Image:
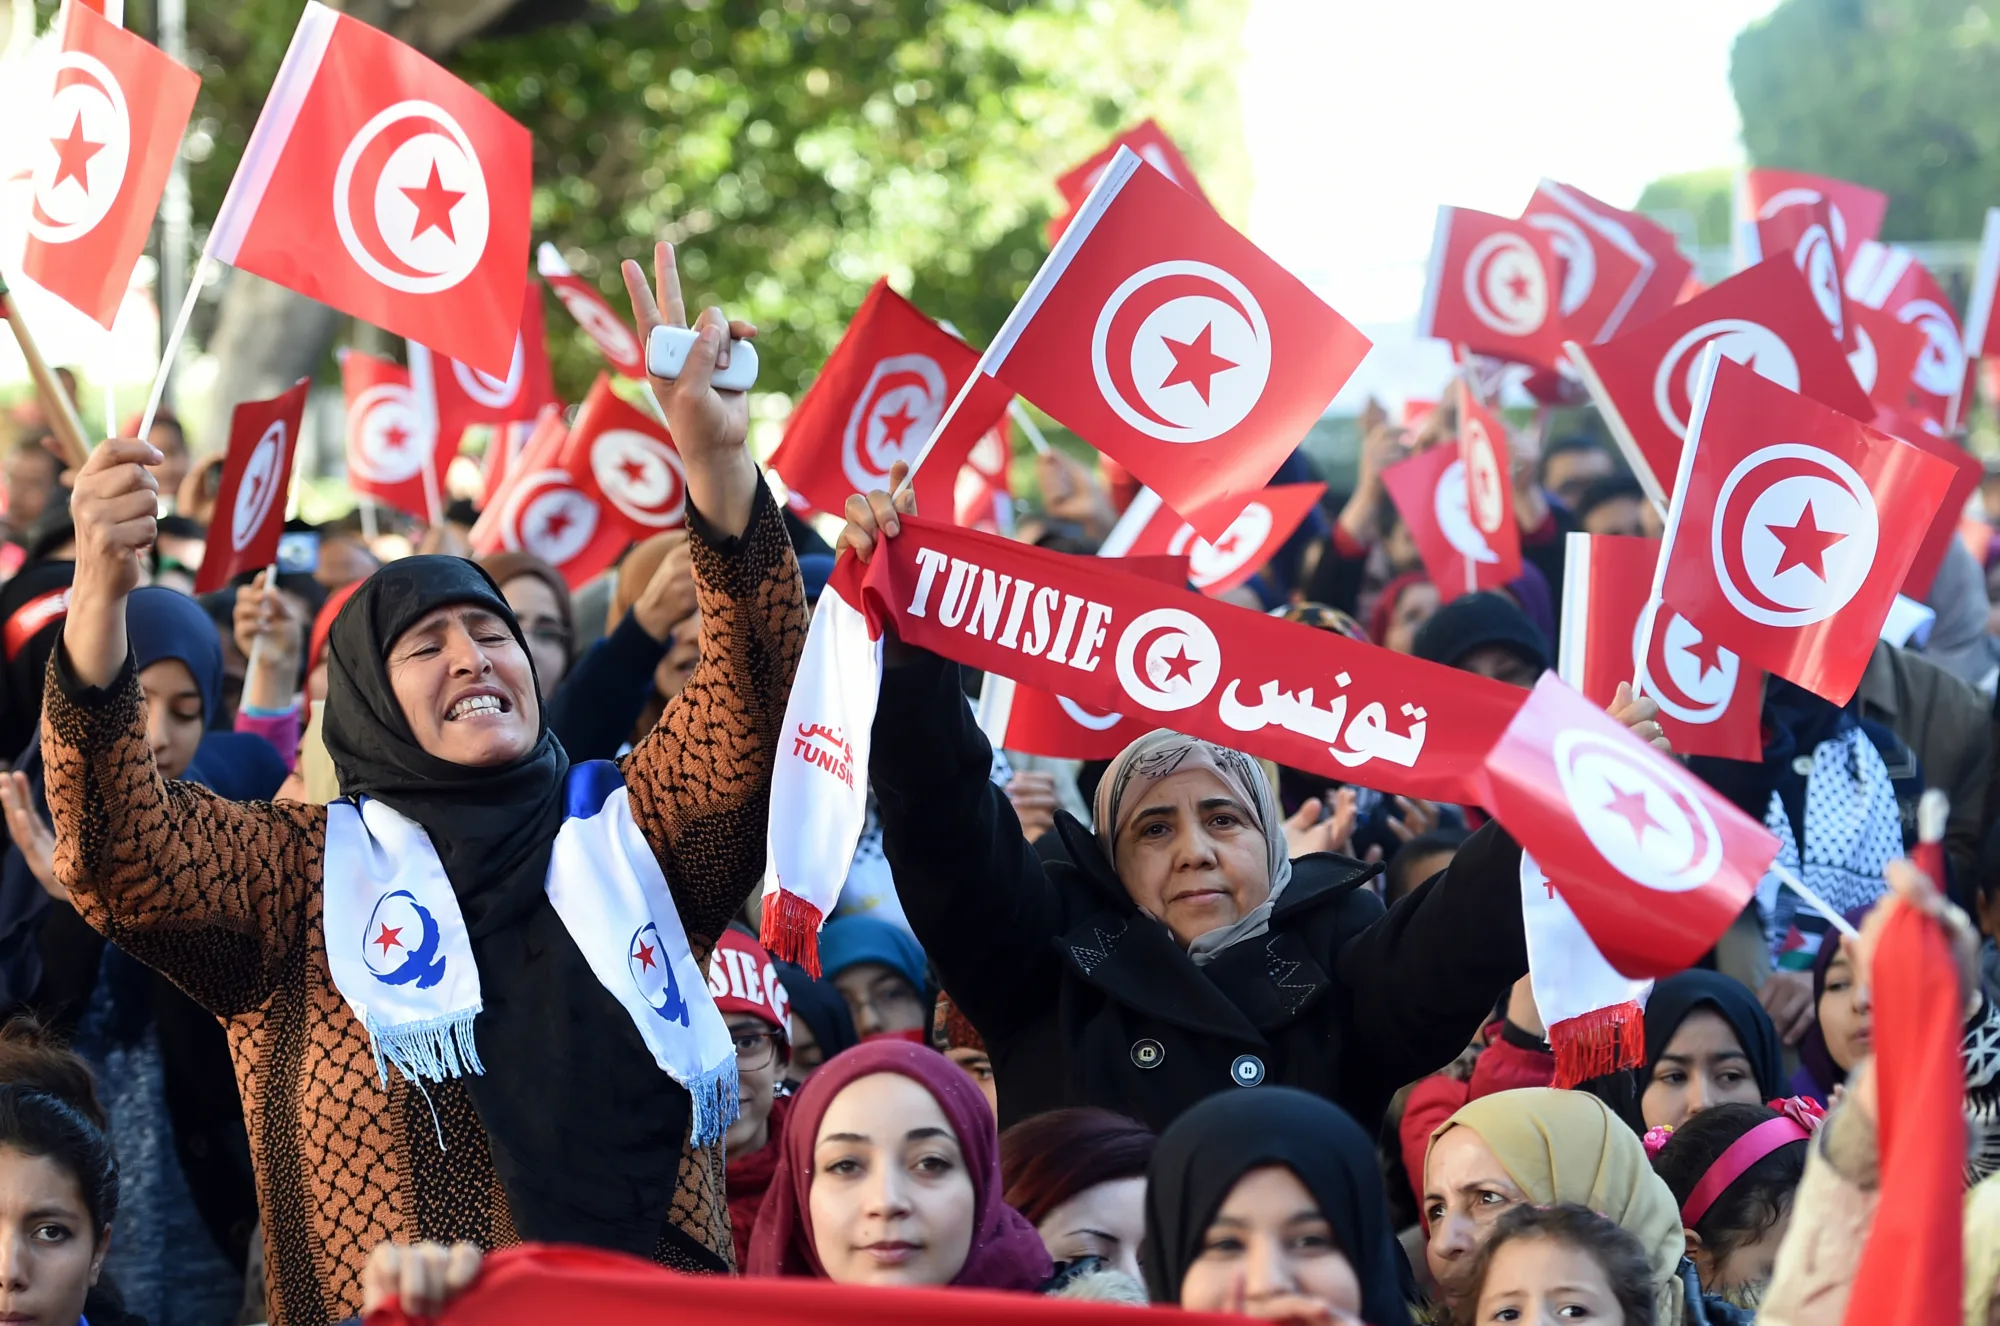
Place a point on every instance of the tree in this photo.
(798, 149)
(1700, 197)
(1894, 94)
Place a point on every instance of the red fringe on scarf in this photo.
(790, 930)
(1601, 1041)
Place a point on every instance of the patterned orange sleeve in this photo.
(211, 893)
(700, 782)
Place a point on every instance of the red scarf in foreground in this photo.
(536, 1284)
(1912, 1270)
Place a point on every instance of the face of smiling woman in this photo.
(465, 687)
(892, 1201)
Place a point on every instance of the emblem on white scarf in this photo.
(398, 950)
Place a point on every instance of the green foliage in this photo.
(796, 150)
(1894, 94)
(1699, 195)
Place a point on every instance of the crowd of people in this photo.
(362, 922)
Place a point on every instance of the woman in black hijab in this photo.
(518, 938)
(1708, 1042)
(1268, 1198)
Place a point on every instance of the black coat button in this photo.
(1247, 1071)
(1148, 1054)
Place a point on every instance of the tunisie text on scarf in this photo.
(1206, 1151)
(585, 1131)
(1006, 1251)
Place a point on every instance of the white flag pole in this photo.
(173, 345)
(1814, 901)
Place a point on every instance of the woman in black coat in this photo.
(1204, 959)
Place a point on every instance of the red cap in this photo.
(743, 979)
(323, 623)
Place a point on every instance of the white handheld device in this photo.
(667, 350)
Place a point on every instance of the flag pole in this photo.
(171, 349)
(1814, 901)
(369, 530)
(63, 420)
(433, 502)
(1028, 427)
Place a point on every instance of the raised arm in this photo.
(700, 782)
(213, 894)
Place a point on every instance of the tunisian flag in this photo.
(1489, 482)
(1854, 212)
(1430, 493)
(1655, 864)
(462, 395)
(1967, 471)
(1147, 139)
(547, 509)
(1885, 357)
(1252, 536)
(1889, 277)
(100, 153)
(1803, 233)
(877, 400)
(1604, 267)
(395, 454)
(378, 183)
(1495, 286)
(626, 457)
(1614, 630)
(1112, 642)
(1643, 381)
(256, 475)
(1783, 545)
(609, 329)
(1173, 345)
(983, 495)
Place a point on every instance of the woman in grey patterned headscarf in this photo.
(1165, 784)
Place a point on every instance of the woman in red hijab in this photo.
(891, 1176)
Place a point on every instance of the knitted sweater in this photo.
(224, 898)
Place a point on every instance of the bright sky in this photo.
(1363, 117)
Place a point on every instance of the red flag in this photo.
(1429, 490)
(462, 395)
(1854, 213)
(610, 329)
(1034, 722)
(1655, 863)
(1889, 278)
(536, 452)
(1112, 641)
(510, 442)
(1173, 345)
(1912, 1271)
(1802, 232)
(554, 511)
(1966, 472)
(1604, 267)
(1776, 545)
(983, 497)
(256, 475)
(877, 400)
(1643, 381)
(1153, 147)
(1489, 485)
(1494, 286)
(1251, 537)
(625, 456)
(394, 452)
(1613, 631)
(103, 146)
(1885, 358)
(378, 183)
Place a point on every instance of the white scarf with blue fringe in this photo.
(400, 956)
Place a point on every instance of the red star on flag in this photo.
(897, 424)
(1805, 544)
(73, 154)
(1195, 362)
(434, 203)
(388, 938)
(1708, 654)
(1631, 807)
(1518, 287)
(634, 470)
(645, 956)
(1180, 665)
(394, 436)
(554, 526)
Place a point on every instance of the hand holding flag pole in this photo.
(63, 421)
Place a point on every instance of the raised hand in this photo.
(668, 599)
(114, 505)
(874, 516)
(29, 829)
(269, 629)
(708, 425)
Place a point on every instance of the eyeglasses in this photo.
(756, 1050)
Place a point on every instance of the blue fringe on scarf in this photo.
(431, 1050)
(716, 1101)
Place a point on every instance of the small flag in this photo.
(256, 476)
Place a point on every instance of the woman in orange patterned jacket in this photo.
(464, 1001)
